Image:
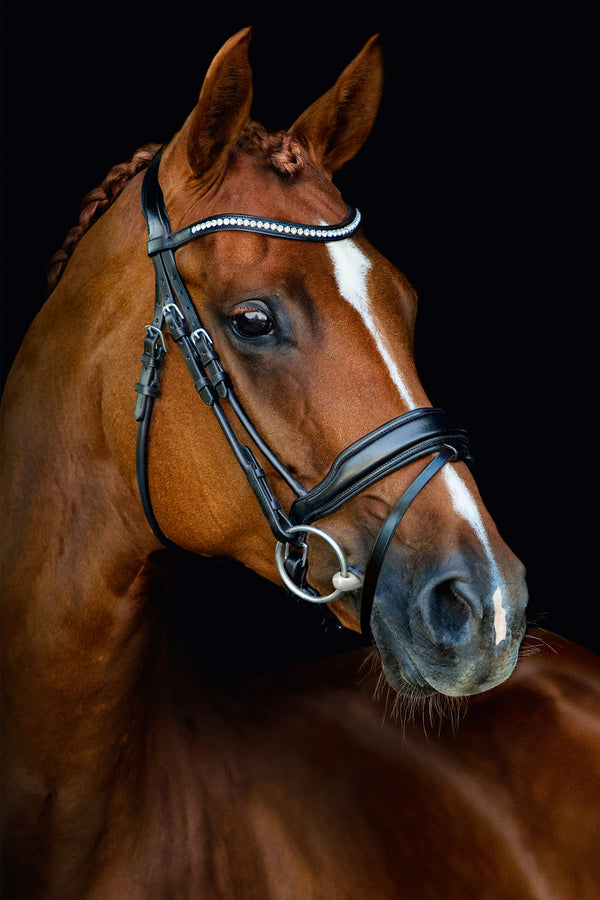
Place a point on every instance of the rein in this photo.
(396, 443)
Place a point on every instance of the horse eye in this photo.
(251, 322)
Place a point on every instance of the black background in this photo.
(475, 182)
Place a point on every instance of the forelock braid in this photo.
(284, 152)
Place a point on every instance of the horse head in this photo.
(315, 338)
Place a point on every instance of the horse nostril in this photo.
(447, 614)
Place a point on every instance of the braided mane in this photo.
(285, 153)
(94, 204)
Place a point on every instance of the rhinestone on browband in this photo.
(273, 227)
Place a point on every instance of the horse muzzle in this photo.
(452, 627)
(454, 630)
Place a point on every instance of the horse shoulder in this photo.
(499, 807)
(301, 784)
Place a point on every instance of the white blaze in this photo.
(351, 268)
(464, 504)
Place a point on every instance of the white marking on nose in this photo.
(464, 505)
(499, 616)
(351, 268)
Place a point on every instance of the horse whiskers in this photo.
(532, 644)
(410, 705)
(370, 665)
(433, 711)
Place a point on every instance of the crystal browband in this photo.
(295, 231)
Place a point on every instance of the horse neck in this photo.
(79, 579)
(62, 402)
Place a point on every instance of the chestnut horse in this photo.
(126, 774)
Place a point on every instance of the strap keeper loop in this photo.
(205, 389)
(147, 390)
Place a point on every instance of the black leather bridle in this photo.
(409, 437)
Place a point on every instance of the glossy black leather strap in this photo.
(393, 445)
(175, 309)
(388, 529)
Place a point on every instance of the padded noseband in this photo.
(393, 445)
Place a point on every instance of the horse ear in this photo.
(335, 127)
(223, 108)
